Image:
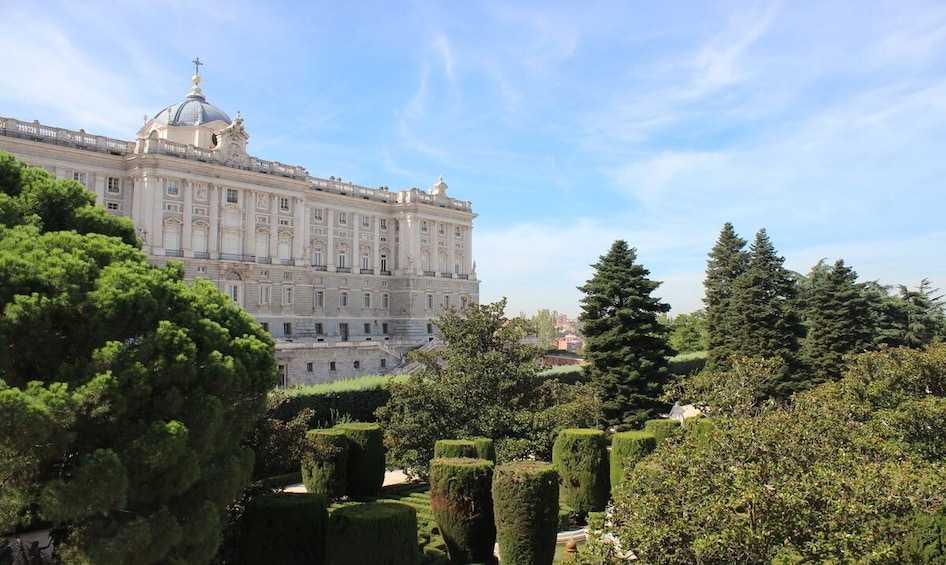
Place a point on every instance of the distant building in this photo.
(346, 278)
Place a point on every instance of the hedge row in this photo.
(345, 460)
(357, 405)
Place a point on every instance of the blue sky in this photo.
(567, 124)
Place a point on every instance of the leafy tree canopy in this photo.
(625, 343)
(850, 472)
(482, 383)
(124, 392)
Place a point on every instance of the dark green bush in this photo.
(525, 504)
(462, 503)
(627, 448)
(662, 428)
(581, 458)
(284, 529)
(449, 448)
(365, 457)
(926, 544)
(373, 533)
(325, 462)
(358, 405)
(278, 442)
(700, 427)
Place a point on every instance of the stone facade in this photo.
(346, 278)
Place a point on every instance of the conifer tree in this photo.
(727, 261)
(764, 312)
(625, 345)
(838, 319)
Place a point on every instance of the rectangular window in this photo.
(384, 328)
(265, 326)
(287, 328)
(456, 231)
(317, 260)
(423, 226)
(174, 188)
(385, 301)
(342, 259)
(383, 223)
(112, 206)
(343, 218)
(81, 177)
(343, 299)
(317, 214)
(265, 294)
(234, 292)
(331, 365)
(367, 328)
(430, 328)
(446, 301)
(365, 222)
(384, 363)
(309, 367)
(114, 185)
(440, 229)
(319, 299)
(287, 295)
(232, 196)
(366, 300)
(284, 204)
(430, 301)
(318, 328)
(366, 261)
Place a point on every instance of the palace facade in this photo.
(346, 278)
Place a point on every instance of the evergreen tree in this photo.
(727, 261)
(910, 318)
(838, 319)
(763, 310)
(625, 344)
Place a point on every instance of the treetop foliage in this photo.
(124, 392)
(626, 345)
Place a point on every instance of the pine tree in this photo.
(764, 311)
(838, 319)
(625, 345)
(727, 261)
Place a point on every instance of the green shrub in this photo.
(284, 528)
(461, 500)
(451, 448)
(329, 401)
(373, 533)
(485, 448)
(662, 428)
(700, 427)
(581, 458)
(365, 457)
(687, 364)
(525, 504)
(325, 462)
(627, 448)
(926, 544)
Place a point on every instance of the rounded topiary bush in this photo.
(581, 458)
(374, 533)
(627, 448)
(462, 503)
(451, 448)
(525, 504)
(662, 428)
(365, 457)
(325, 462)
(284, 528)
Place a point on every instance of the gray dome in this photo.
(193, 110)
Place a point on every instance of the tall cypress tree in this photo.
(765, 313)
(838, 319)
(727, 261)
(625, 345)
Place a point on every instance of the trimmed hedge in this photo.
(451, 448)
(662, 428)
(373, 533)
(525, 504)
(581, 458)
(485, 448)
(462, 503)
(358, 405)
(627, 448)
(365, 457)
(284, 529)
(325, 462)
(700, 426)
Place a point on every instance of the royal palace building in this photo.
(346, 278)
